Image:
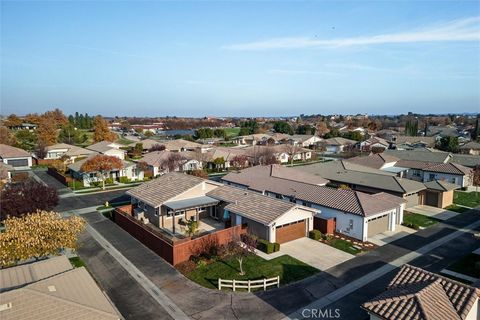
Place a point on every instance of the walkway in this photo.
(433, 212)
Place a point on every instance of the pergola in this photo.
(185, 205)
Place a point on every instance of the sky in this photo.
(240, 58)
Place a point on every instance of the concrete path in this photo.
(390, 236)
(433, 212)
(173, 310)
(364, 280)
(315, 253)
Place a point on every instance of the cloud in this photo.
(467, 29)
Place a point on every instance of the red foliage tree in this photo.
(157, 147)
(25, 197)
(102, 165)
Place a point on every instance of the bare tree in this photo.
(292, 150)
(265, 156)
(173, 162)
(242, 248)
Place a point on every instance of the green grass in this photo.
(344, 246)
(456, 208)
(232, 132)
(77, 262)
(467, 265)
(468, 199)
(413, 220)
(122, 140)
(289, 269)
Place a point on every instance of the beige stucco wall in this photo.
(446, 199)
(197, 191)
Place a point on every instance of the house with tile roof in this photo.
(157, 161)
(415, 293)
(357, 214)
(18, 158)
(471, 147)
(108, 148)
(128, 170)
(337, 145)
(60, 150)
(51, 289)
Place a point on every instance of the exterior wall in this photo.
(474, 312)
(253, 227)
(324, 225)
(343, 221)
(115, 153)
(452, 178)
(334, 149)
(192, 165)
(129, 173)
(56, 153)
(392, 219)
(446, 199)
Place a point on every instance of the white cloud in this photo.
(467, 29)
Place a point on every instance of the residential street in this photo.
(438, 250)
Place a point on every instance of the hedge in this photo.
(276, 247)
(315, 234)
(265, 246)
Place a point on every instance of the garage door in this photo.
(432, 199)
(412, 200)
(292, 231)
(377, 225)
(18, 162)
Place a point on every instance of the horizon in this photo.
(233, 59)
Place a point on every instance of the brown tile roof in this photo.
(165, 187)
(450, 167)
(338, 141)
(31, 272)
(441, 185)
(418, 294)
(71, 149)
(12, 152)
(69, 295)
(258, 179)
(375, 161)
(471, 145)
(414, 164)
(103, 146)
(285, 175)
(252, 205)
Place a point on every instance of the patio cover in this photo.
(191, 203)
(394, 169)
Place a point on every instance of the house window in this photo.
(431, 176)
(157, 211)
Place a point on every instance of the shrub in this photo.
(208, 248)
(201, 263)
(265, 246)
(109, 181)
(327, 237)
(411, 225)
(276, 247)
(186, 267)
(124, 180)
(76, 184)
(315, 234)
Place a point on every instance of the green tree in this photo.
(282, 127)
(249, 127)
(449, 144)
(68, 134)
(306, 129)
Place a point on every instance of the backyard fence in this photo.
(249, 284)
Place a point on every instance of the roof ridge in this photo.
(359, 203)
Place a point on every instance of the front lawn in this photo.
(468, 265)
(415, 221)
(77, 262)
(232, 132)
(456, 208)
(289, 269)
(343, 245)
(468, 199)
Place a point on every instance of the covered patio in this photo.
(177, 213)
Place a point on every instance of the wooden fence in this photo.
(249, 284)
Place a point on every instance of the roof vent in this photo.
(236, 201)
(5, 306)
(52, 288)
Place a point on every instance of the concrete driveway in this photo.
(314, 253)
(433, 212)
(390, 236)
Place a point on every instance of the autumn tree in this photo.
(173, 161)
(199, 173)
(102, 165)
(101, 130)
(322, 128)
(242, 248)
(47, 132)
(6, 137)
(56, 117)
(239, 161)
(13, 120)
(38, 235)
(27, 196)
